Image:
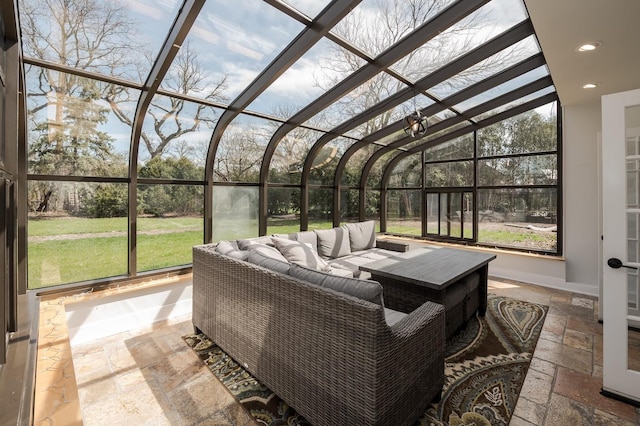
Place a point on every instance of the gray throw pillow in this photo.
(247, 243)
(228, 249)
(362, 235)
(333, 242)
(362, 289)
(258, 258)
(300, 253)
(269, 251)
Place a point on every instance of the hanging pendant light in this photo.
(415, 124)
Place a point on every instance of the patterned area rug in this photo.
(486, 364)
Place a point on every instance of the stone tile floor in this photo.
(150, 376)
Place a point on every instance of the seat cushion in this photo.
(362, 235)
(333, 243)
(362, 289)
(259, 258)
(301, 254)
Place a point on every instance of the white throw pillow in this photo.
(300, 253)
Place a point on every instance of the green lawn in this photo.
(59, 253)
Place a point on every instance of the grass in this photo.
(72, 254)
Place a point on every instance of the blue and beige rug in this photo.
(486, 364)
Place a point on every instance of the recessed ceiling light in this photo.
(588, 47)
(590, 86)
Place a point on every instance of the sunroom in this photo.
(136, 130)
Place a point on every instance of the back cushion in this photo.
(300, 253)
(362, 235)
(362, 289)
(308, 237)
(333, 242)
(258, 258)
(268, 251)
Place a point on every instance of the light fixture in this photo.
(415, 124)
(590, 86)
(588, 47)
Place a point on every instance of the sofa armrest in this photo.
(392, 245)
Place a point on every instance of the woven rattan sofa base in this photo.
(332, 357)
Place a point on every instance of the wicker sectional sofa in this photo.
(322, 341)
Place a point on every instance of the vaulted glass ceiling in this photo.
(273, 93)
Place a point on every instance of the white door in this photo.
(621, 243)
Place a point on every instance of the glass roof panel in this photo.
(390, 116)
(77, 126)
(228, 46)
(485, 23)
(239, 154)
(175, 139)
(309, 7)
(490, 66)
(319, 69)
(500, 90)
(130, 34)
(290, 155)
(368, 94)
(324, 165)
(375, 25)
(436, 135)
(525, 99)
(356, 163)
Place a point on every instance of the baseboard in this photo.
(544, 281)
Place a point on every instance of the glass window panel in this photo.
(404, 212)
(533, 131)
(228, 46)
(373, 26)
(175, 139)
(531, 170)
(632, 226)
(465, 35)
(77, 126)
(407, 173)
(324, 164)
(115, 38)
(523, 218)
(353, 170)
(70, 225)
(454, 174)
(433, 212)
(283, 210)
(444, 214)
(632, 183)
(235, 212)
(488, 67)
(241, 149)
(169, 225)
(467, 216)
(349, 202)
(320, 209)
(458, 148)
(455, 218)
(632, 145)
(290, 155)
(318, 70)
(436, 135)
(309, 8)
(514, 83)
(372, 206)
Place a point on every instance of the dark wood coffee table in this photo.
(429, 273)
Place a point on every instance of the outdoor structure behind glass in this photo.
(153, 126)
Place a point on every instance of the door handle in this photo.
(616, 263)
